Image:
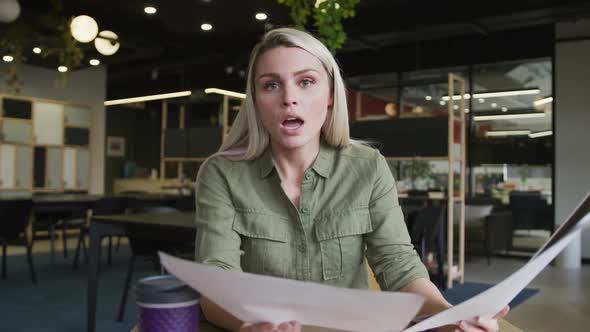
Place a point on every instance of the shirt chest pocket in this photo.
(340, 237)
(265, 242)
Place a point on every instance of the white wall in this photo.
(572, 127)
(86, 87)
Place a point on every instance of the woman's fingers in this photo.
(466, 326)
(292, 326)
(258, 327)
(502, 312)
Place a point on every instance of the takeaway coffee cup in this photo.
(165, 304)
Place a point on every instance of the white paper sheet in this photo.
(491, 301)
(256, 298)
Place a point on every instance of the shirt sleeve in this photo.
(390, 253)
(216, 242)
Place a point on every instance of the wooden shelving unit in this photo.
(226, 126)
(455, 158)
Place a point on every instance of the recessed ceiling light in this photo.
(150, 10)
(206, 27)
(481, 100)
(8, 58)
(62, 69)
(442, 103)
(37, 50)
(504, 109)
(494, 105)
(94, 62)
(428, 97)
(261, 16)
(456, 107)
(467, 110)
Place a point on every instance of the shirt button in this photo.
(307, 176)
(304, 210)
(302, 247)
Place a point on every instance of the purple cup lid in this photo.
(164, 289)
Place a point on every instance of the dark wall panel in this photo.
(76, 136)
(203, 142)
(425, 137)
(13, 108)
(175, 143)
(39, 167)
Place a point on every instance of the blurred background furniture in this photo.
(427, 233)
(530, 211)
(16, 230)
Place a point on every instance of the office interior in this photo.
(120, 124)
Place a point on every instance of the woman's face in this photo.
(292, 96)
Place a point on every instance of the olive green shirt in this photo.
(348, 211)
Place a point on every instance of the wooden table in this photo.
(102, 226)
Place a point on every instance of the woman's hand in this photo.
(292, 326)
(481, 324)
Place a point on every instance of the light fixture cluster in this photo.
(170, 95)
(481, 98)
(85, 30)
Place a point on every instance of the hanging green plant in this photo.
(328, 16)
(50, 32)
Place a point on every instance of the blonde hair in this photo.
(248, 138)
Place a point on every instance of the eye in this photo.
(271, 85)
(306, 82)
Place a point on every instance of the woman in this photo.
(289, 194)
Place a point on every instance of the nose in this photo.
(289, 96)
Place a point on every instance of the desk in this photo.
(205, 326)
(102, 226)
(55, 206)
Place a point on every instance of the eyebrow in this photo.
(275, 75)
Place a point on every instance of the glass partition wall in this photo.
(510, 152)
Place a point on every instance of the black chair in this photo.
(16, 229)
(186, 203)
(530, 211)
(104, 206)
(428, 236)
(142, 243)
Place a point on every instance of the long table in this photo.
(124, 224)
(55, 206)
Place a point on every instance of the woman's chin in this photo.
(292, 142)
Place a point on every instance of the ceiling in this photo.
(168, 51)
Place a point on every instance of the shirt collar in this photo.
(321, 165)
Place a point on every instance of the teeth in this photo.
(291, 118)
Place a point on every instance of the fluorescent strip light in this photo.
(147, 98)
(543, 101)
(507, 93)
(541, 134)
(226, 93)
(508, 116)
(507, 133)
(496, 94)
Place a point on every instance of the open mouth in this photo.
(292, 123)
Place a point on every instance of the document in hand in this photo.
(494, 299)
(256, 298)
